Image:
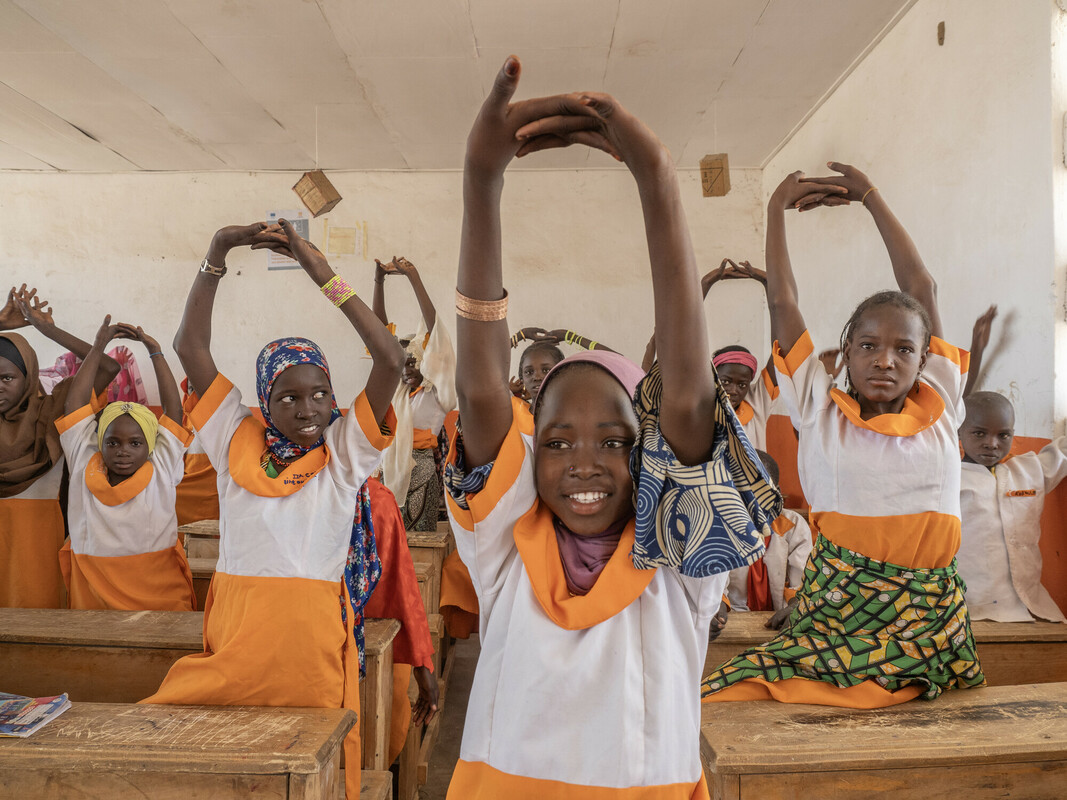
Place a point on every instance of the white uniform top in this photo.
(761, 398)
(298, 525)
(144, 523)
(785, 559)
(999, 557)
(610, 705)
(887, 487)
(426, 410)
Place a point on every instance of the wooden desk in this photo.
(1011, 652)
(123, 656)
(93, 656)
(97, 750)
(431, 548)
(1005, 741)
(203, 570)
(201, 538)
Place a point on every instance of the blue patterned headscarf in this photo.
(362, 567)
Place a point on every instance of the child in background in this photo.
(881, 617)
(772, 582)
(1001, 499)
(283, 624)
(31, 457)
(592, 638)
(426, 394)
(123, 552)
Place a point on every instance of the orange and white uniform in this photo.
(757, 408)
(583, 697)
(787, 553)
(1000, 558)
(273, 632)
(31, 535)
(123, 551)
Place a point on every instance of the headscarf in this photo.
(362, 566)
(144, 418)
(736, 357)
(12, 354)
(416, 349)
(29, 440)
(618, 366)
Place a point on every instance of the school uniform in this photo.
(787, 553)
(273, 630)
(535, 724)
(123, 552)
(756, 409)
(884, 497)
(31, 535)
(1000, 557)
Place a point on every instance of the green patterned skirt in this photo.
(859, 619)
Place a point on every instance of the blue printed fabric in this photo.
(704, 519)
(363, 569)
(458, 481)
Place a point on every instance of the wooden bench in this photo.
(113, 752)
(375, 785)
(1004, 741)
(123, 656)
(201, 538)
(1011, 652)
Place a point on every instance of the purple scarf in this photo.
(584, 557)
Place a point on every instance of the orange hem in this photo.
(932, 541)
(476, 780)
(958, 356)
(209, 401)
(183, 435)
(369, 425)
(769, 384)
(68, 421)
(866, 695)
(791, 361)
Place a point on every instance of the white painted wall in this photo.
(1058, 117)
(957, 139)
(574, 251)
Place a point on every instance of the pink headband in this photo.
(620, 367)
(736, 357)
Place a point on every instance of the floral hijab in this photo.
(362, 567)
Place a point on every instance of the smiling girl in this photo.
(880, 618)
(123, 552)
(283, 623)
(592, 639)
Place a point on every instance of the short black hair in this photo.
(895, 300)
(769, 464)
(982, 401)
(541, 347)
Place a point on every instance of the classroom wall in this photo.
(956, 137)
(574, 253)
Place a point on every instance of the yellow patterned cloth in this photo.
(859, 619)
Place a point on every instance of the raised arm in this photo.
(979, 342)
(192, 342)
(169, 396)
(576, 339)
(908, 268)
(384, 349)
(39, 314)
(81, 385)
(426, 307)
(378, 298)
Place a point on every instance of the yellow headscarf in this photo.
(141, 415)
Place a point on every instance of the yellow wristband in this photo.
(337, 290)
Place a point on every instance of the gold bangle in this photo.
(481, 310)
(864, 198)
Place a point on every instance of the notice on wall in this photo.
(301, 222)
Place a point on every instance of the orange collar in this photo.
(782, 525)
(744, 413)
(617, 587)
(246, 457)
(922, 408)
(97, 483)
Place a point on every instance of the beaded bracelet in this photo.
(337, 290)
(481, 310)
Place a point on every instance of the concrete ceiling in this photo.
(129, 85)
